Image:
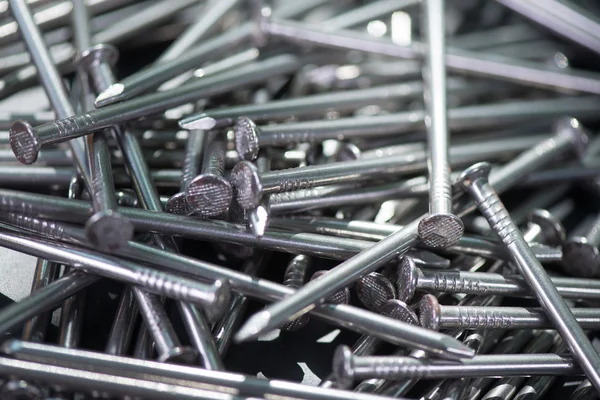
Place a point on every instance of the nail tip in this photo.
(110, 95)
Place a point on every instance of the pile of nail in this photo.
(398, 197)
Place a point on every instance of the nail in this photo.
(190, 377)
(250, 138)
(366, 230)
(80, 380)
(348, 367)
(209, 194)
(374, 290)
(456, 60)
(52, 82)
(26, 140)
(213, 298)
(474, 180)
(412, 279)
(440, 228)
(435, 316)
(250, 185)
(107, 228)
(313, 105)
(177, 203)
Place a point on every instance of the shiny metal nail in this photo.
(440, 228)
(177, 203)
(45, 272)
(209, 194)
(50, 79)
(26, 140)
(474, 180)
(251, 138)
(279, 110)
(121, 331)
(107, 228)
(435, 316)
(412, 279)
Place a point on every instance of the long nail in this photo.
(279, 110)
(412, 279)
(121, 331)
(26, 140)
(252, 138)
(474, 180)
(459, 60)
(440, 228)
(51, 80)
(224, 382)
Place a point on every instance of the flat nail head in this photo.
(342, 369)
(209, 195)
(573, 129)
(406, 281)
(473, 173)
(399, 311)
(222, 297)
(24, 142)
(430, 312)
(246, 138)
(180, 355)
(580, 258)
(246, 181)
(440, 230)
(98, 54)
(108, 230)
(374, 290)
(552, 230)
(177, 204)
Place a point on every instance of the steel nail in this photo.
(412, 279)
(224, 382)
(474, 180)
(250, 138)
(209, 194)
(26, 140)
(440, 228)
(177, 203)
(51, 81)
(435, 316)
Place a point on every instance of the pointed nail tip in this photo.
(458, 350)
(197, 123)
(255, 326)
(109, 95)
